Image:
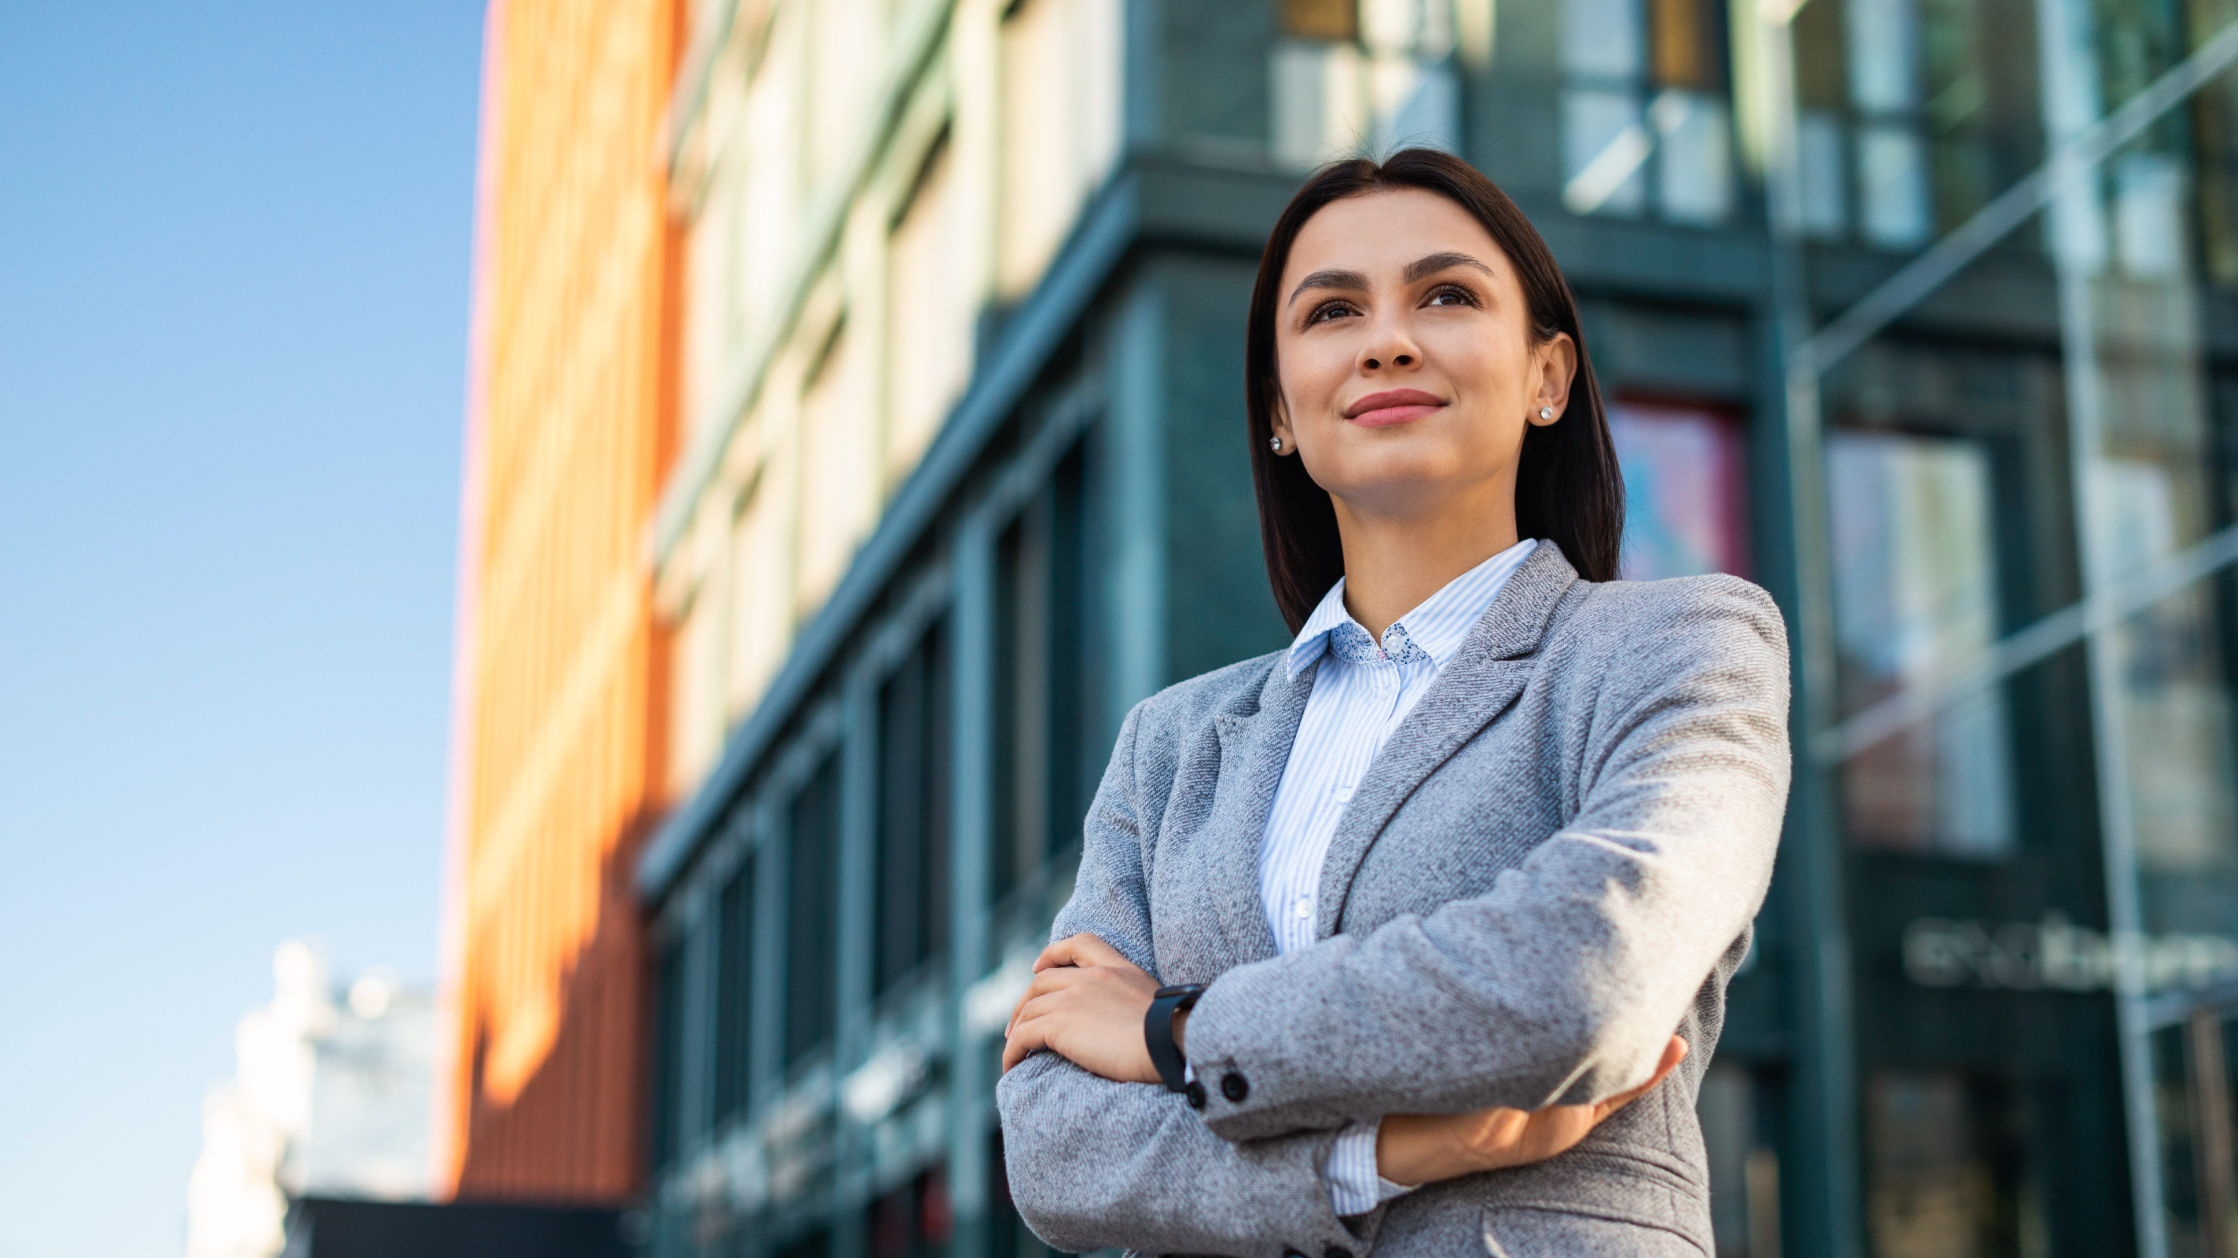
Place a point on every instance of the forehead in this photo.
(1379, 233)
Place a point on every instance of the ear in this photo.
(1278, 419)
(1557, 369)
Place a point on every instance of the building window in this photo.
(1060, 122)
(1685, 491)
(734, 985)
(1043, 708)
(668, 1054)
(1914, 114)
(928, 313)
(1737, 1134)
(914, 1219)
(1915, 580)
(1007, 1234)
(913, 801)
(1645, 124)
(814, 1243)
(811, 908)
(1947, 1172)
(1354, 76)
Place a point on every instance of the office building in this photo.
(1918, 312)
(558, 726)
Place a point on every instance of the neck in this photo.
(1393, 562)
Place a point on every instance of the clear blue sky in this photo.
(234, 251)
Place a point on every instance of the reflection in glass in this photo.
(1685, 485)
(1678, 145)
(1915, 596)
(1947, 1173)
(1695, 177)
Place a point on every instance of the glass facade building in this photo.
(1921, 313)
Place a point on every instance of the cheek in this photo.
(1481, 362)
(1311, 372)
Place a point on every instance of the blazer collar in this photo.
(1468, 694)
(1254, 752)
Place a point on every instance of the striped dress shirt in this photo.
(1362, 692)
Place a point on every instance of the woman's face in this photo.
(1405, 358)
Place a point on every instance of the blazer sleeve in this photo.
(1561, 985)
(1093, 1163)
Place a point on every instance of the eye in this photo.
(1328, 310)
(1451, 295)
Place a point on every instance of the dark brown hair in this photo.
(1568, 489)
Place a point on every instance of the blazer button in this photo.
(1336, 1251)
(1194, 1094)
(1233, 1087)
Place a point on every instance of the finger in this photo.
(1044, 984)
(1025, 1038)
(1041, 985)
(1058, 953)
(1081, 950)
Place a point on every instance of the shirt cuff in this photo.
(1354, 1185)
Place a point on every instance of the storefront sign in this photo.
(2054, 955)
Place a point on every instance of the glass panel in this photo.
(1892, 185)
(1883, 66)
(1603, 37)
(1007, 1235)
(811, 908)
(1915, 595)
(928, 315)
(914, 721)
(1695, 169)
(914, 1220)
(668, 1053)
(734, 982)
(1604, 145)
(1046, 760)
(1685, 491)
(1818, 141)
(1321, 19)
(1743, 1164)
(1946, 1171)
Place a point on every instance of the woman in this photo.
(1450, 886)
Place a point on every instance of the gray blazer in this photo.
(1551, 867)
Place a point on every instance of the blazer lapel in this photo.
(1254, 751)
(1479, 683)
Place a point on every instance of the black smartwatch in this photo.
(1157, 1032)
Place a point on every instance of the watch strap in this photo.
(1157, 1032)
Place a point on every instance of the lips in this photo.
(1393, 406)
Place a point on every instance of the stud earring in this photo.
(1546, 412)
(1275, 443)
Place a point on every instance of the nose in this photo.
(1390, 342)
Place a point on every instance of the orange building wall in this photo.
(557, 733)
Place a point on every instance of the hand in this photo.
(1421, 1148)
(1086, 1005)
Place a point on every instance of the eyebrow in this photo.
(1329, 279)
(1430, 264)
(1437, 262)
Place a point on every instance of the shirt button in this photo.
(1341, 794)
(1304, 909)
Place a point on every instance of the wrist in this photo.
(1160, 1024)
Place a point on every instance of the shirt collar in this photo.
(1439, 625)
